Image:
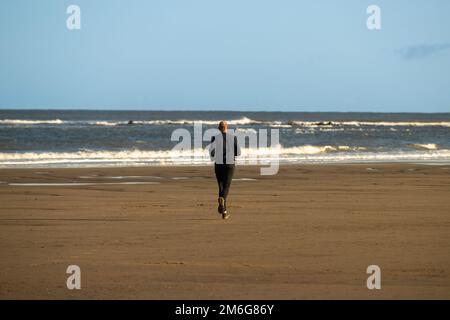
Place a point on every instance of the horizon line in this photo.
(199, 110)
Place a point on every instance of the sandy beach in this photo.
(308, 232)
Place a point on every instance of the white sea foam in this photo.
(247, 130)
(105, 123)
(297, 154)
(426, 146)
(30, 122)
(325, 124)
(240, 121)
(399, 124)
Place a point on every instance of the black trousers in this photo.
(224, 175)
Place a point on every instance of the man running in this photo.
(224, 148)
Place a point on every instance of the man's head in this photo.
(223, 126)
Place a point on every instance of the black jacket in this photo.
(228, 143)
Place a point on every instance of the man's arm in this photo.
(212, 147)
(237, 148)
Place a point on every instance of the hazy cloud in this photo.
(422, 51)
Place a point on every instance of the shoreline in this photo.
(281, 164)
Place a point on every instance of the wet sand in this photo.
(307, 233)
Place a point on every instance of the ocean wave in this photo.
(297, 154)
(149, 154)
(399, 124)
(104, 123)
(310, 149)
(427, 146)
(241, 121)
(30, 122)
(369, 123)
(245, 131)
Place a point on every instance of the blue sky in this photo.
(284, 55)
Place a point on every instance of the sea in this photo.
(88, 138)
